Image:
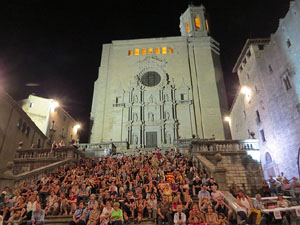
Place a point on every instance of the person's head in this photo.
(196, 220)
(214, 188)
(52, 193)
(221, 216)
(197, 178)
(116, 206)
(179, 208)
(241, 194)
(6, 199)
(280, 197)
(95, 206)
(38, 206)
(93, 197)
(71, 195)
(108, 204)
(165, 198)
(209, 209)
(153, 196)
(81, 205)
(258, 197)
(211, 180)
(203, 188)
(195, 206)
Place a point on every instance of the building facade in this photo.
(16, 130)
(51, 119)
(150, 92)
(267, 106)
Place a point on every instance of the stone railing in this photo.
(224, 145)
(98, 149)
(39, 154)
(229, 161)
(30, 159)
(11, 180)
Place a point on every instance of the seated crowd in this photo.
(166, 188)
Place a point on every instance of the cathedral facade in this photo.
(151, 92)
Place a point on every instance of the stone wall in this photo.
(264, 68)
(227, 164)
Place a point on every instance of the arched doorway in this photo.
(269, 167)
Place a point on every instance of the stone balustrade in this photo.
(98, 149)
(29, 159)
(224, 145)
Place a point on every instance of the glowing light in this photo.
(136, 51)
(76, 127)
(227, 119)
(164, 50)
(187, 25)
(157, 51)
(129, 52)
(150, 50)
(144, 51)
(197, 22)
(54, 105)
(247, 92)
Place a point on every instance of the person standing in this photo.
(38, 216)
(179, 217)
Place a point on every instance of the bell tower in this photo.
(193, 22)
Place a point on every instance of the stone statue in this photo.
(150, 116)
(136, 139)
(167, 97)
(151, 99)
(167, 115)
(168, 138)
(135, 116)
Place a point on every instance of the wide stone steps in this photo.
(64, 220)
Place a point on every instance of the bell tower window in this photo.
(150, 50)
(197, 23)
(207, 27)
(187, 25)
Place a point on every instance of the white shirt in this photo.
(183, 218)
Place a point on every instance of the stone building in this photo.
(51, 119)
(268, 105)
(150, 92)
(16, 129)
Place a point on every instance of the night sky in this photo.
(58, 44)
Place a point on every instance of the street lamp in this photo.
(54, 105)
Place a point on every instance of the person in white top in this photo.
(106, 212)
(245, 205)
(179, 217)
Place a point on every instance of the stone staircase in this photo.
(64, 220)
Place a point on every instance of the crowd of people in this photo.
(166, 188)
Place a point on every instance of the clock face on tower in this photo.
(150, 79)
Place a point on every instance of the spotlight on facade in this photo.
(54, 105)
(76, 127)
(227, 119)
(247, 92)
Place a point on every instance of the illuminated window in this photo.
(157, 51)
(129, 52)
(207, 27)
(170, 50)
(150, 50)
(136, 51)
(197, 22)
(188, 30)
(144, 51)
(164, 50)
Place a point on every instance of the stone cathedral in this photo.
(151, 92)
